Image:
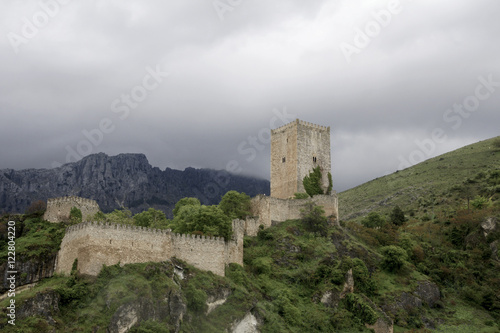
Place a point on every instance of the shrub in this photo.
(397, 216)
(314, 219)
(75, 215)
(330, 183)
(361, 309)
(262, 265)
(301, 195)
(196, 299)
(394, 258)
(312, 182)
(479, 202)
(373, 220)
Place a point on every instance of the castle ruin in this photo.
(296, 149)
(58, 209)
(95, 244)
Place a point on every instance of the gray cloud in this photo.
(227, 76)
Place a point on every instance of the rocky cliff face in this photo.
(125, 180)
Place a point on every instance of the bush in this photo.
(312, 182)
(394, 258)
(361, 309)
(301, 195)
(196, 299)
(479, 202)
(397, 216)
(314, 219)
(262, 265)
(75, 216)
(373, 220)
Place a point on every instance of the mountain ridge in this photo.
(125, 180)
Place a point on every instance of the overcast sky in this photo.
(198, 83)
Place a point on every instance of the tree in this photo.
(373, 220)
(314, 219)
(212, 221)
(191, 217)
(151, 218)
(235, 205)
(184, 202)
(394, 258)
(312, 182)
(37, 207)
(397, 216)
(121, 216)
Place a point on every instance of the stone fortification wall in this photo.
(95, 244)
(58, 209)
(274, 210)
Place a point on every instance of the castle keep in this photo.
(296, 149)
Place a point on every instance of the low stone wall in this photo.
(274, 210)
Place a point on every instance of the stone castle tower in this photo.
(296, 149)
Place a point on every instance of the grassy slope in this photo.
(434, 182)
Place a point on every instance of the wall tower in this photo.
(296, 149)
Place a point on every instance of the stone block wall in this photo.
(95, 244)
(274, 210)
(296, 149)
(58, 209)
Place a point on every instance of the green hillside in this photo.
(440, 184)
(432, 266)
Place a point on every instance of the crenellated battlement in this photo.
(314, 126)
(297, 122)
(95, 243)
(74, 199)
(58, 209)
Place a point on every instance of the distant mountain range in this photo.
(125, 180)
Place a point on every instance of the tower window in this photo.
(314, 159)
(283, 160)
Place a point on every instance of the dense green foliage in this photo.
(373, 220)
(36, 239)
(235, 205)
(151, 218)
(312, 182)
(314, 219)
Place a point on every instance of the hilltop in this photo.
(439, 184)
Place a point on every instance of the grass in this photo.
(429, 187)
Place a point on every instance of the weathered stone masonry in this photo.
(268, 211)
(95, 244)
(58, 209)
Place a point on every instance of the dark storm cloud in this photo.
(68, 83)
